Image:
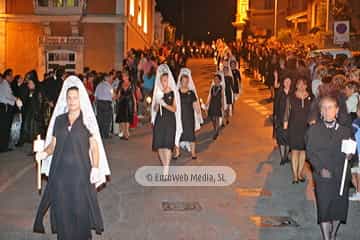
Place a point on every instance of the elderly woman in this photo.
(323, 146)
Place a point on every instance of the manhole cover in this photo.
(253, 192)
(181, 206)
(273, 221)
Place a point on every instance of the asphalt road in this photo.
(133, 212)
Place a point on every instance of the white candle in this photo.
(38, 145)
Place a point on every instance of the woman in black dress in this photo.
(323, 147)
(126, 105)
(78, 166)
(279, 112)
(295, 120)
(271, 72)
(166, 118)
(215, 103)
(229, 88)
(190, 111)
(237, 77)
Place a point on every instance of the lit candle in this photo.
(38, 146)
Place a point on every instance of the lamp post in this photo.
(182, 20)
(275, 18)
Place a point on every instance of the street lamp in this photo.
(275, 17)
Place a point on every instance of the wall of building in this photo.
(99, 48)
(60, 28)
(134, 39)
(19, 6)
(262, 19)
(22, 50)
(101, 6)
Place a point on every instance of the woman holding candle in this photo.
(323, 147)
(74, 172)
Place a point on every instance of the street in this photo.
(130, 211)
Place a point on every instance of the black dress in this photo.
(72, 199)
(164, 129)
(323, 148)
(270, 78)
(33, 117)
(281, 134)
(237, 80)
(215, 105)
(125, 105)
(188, 116)
(296, 113)
(229, 86)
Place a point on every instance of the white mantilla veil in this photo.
(187, 72)
(158, 89)
(89, 121)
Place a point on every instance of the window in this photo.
(58, 3)
(61, 58)
(43, 3)
(145, 16)
(139, 13)
(269, 4)
(132, 7)
(58, 7)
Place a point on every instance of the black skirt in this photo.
(330, 205)
(164, 129)
(215, 102)
(188, 116)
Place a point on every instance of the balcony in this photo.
(59, 7)
(54, 41)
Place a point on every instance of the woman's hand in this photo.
(325, 173)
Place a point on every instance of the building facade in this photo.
(313, 20)
(260, 15)
(164, 31)
(45, 34)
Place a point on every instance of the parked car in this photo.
(334, 52)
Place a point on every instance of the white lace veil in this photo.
(187, 72)
(89, 120)
(163, 68)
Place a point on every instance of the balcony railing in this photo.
(59, 7)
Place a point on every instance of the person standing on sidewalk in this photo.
(323, 147)
(104, 96)
(126, 105)
(7, 109)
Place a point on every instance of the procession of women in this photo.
(316, 122)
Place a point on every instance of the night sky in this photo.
(201, 17)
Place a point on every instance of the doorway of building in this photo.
(64, 59)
